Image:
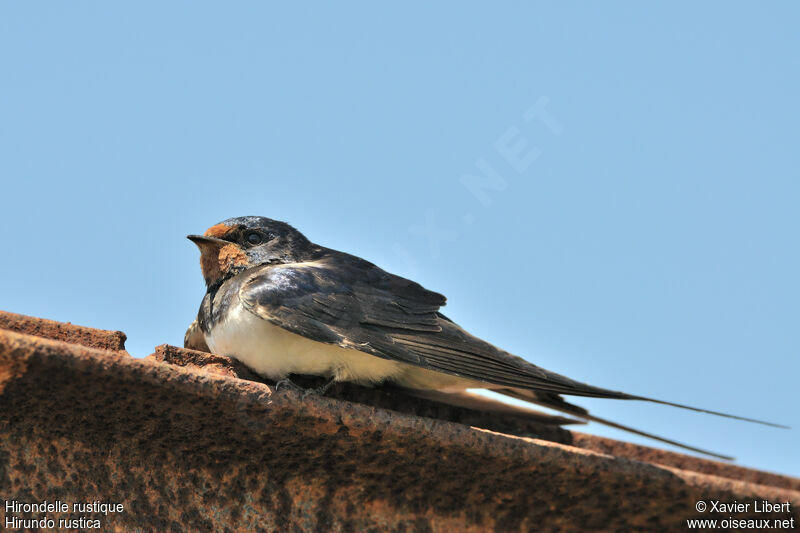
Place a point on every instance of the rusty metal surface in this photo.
(61, 331)
(513, 425)
(187, 449)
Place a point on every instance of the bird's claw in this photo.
(288, 384)
(321, 390)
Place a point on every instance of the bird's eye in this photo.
(253, 237)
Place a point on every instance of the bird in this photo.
(284, 306)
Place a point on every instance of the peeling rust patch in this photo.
(203, 361)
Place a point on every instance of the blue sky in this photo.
(610, 191)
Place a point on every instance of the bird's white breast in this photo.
(275, 352)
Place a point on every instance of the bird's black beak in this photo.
(200, 240)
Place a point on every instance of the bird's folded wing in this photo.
(364, 308)
(357, 305)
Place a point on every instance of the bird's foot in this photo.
(287, 383)
(321, 390)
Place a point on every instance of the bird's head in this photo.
(240, 243)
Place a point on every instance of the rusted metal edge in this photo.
(682, 461)
(50, 329)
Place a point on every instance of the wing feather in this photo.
(390, 317)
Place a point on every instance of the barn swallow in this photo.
(283, 305)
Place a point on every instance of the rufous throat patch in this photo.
(231, 256)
